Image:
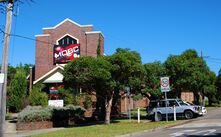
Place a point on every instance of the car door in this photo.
(171, 105)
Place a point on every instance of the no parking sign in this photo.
(165, 84)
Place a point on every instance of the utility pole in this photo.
(4, 67)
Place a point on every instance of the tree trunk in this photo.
(108, 105)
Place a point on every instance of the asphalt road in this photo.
(208, 126)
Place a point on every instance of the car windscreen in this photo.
(182, 103)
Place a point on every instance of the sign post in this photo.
(165, 87)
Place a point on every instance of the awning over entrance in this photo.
(53, 76)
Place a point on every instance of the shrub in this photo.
(17, 91)
(8, 116)
(35, 113)
(68, 112)
(39, 113)
(37, 97)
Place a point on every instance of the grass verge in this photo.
(117, 127)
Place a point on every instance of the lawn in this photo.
(117, 127)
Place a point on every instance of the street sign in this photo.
(165, 87)
(165, 84)
(2, 76)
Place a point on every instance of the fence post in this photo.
(138, 114)
(174, 112)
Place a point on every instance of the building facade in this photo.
(64, 34)
(62, 43)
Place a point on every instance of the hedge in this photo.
(38, 113)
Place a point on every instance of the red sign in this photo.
(66, 53)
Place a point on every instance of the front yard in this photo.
(117, 127)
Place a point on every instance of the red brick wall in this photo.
(187, 96)
(45, 44)
(124, 103)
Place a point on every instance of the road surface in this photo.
(208, 126)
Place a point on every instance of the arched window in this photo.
(67, 40)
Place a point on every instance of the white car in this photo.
(182, 109)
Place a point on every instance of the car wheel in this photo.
(188, 114)
(158, 117)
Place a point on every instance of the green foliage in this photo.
(8, 116)
(38, 97)
(218, 85)
(17, 91)
(69, 96)
(11, 74)
(38, 113)
(70, 111)
(189, 72)
(99, 47)
(127, 69)
(137, 97)
(87, 101)
(153, 72)
(35, 113)
(106, 75)
(88, 73)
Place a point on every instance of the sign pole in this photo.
(165, 87)
(166, 106)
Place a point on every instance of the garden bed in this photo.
(34, 125)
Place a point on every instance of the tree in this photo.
(92, 74)
(17, 91)
(218, 85)
(153, 72)
(188, 71)
(37, 97)
(128, 72)
(106, 76)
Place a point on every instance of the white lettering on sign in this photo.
(56, 103)
(68, 52)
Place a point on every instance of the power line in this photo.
(49, 43)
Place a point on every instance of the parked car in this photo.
(182, 109)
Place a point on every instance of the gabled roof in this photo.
(57, 77)
(49, 75)
(69, 21)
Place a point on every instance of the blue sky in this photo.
(154, 28)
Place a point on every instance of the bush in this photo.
(39, 113)
(8, 116)
(17, 91)
(70, 111)
(37, 97)
(35, 113)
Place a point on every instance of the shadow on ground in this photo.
(215, 135)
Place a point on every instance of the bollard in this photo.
(138, 115)
(155, 116)
(174, 112)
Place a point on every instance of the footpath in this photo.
(10, 130)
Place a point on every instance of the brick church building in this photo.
(62, 43)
